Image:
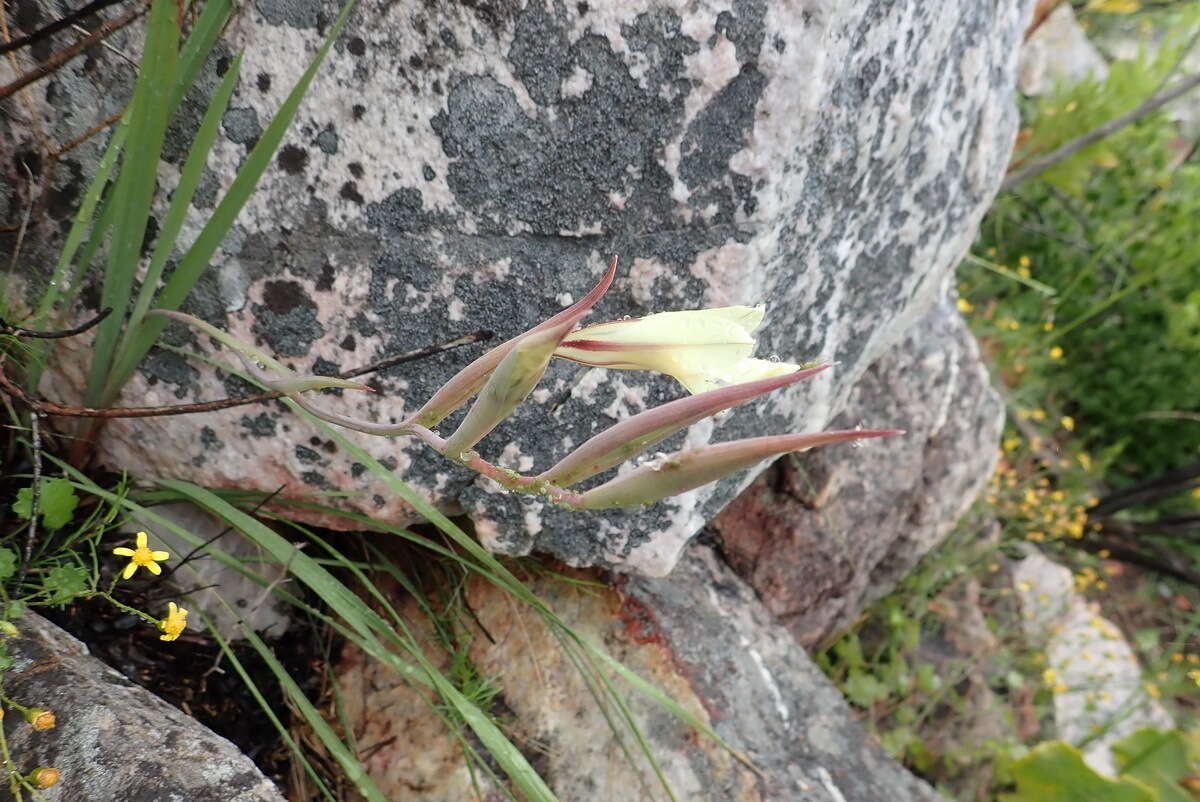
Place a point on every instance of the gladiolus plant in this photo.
(707, 351)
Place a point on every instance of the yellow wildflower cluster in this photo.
(1040, 510)
(1089, 578)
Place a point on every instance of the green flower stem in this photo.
(508, 478)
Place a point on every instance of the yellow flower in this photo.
(1194, 676)
(44, 777)
(175, 622)
(703, 349)
(40, 719)
(1067, 422)
(1153, 690)
(1056, 352)
(1024, 261)
(965, 306)
(141, 556)
(1049, 676)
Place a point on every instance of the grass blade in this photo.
(349, 764)
(134, 192)
(251, 686)
(194, 262)
(199, 44)
(181, 198)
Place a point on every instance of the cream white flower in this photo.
(703, 349)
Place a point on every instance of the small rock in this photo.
(115, 740)
(1102, 694)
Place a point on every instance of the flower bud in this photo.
(40, 718)
(634, 435)
(471, 379)
(514, 379)
(677, 473)
(43, 777)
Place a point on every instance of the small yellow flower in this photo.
(44, 777)
(1049, 676)
(1048, 326)
(1067, 422)
(1194, 676)
(141, 556)
(40, 718)
(1056, 352)
(965, 306)
(1153, 690)
(175, 622)
(1039, 414)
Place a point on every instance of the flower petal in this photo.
(129, 569)
(160, 555)
(123, 551)
(154, 568)
(142, 539)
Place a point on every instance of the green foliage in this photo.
(1076, 109)
(1123, 262)
(1055, 772)
(64, 582)
(56, 503)
(1159, 760)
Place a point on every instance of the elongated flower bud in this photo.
(471, 379)
(633, 436)
(686, 470)
(512, 380)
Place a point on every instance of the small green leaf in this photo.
(58, 503)
(8, 563)
(65, 582)
(1055, 772)
(23, 506)
(863, 689)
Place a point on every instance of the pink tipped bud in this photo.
(633, 436)
(686, 470)
(512, 380)
(471, 379)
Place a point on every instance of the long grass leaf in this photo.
(63, 284)
(339, 598)
(350, 765)
(187, 272)
(135, 186)
(284, 734)
(198, 45)
(181, 198)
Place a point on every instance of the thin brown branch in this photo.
(56, 26)
(1150, 490)
(1132, 556)
(50, 408)
(1154, 103)
(63, 56)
